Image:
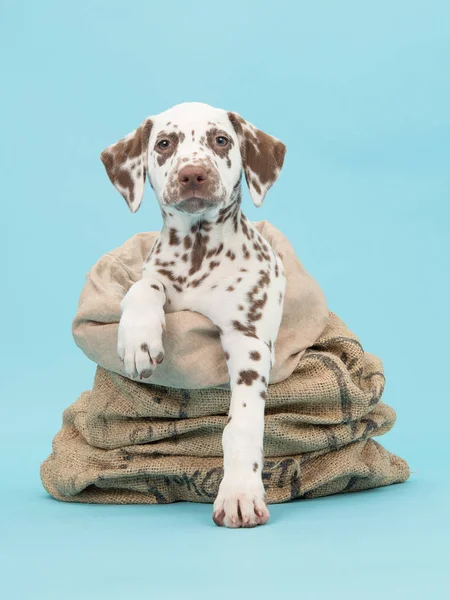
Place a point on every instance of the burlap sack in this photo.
(129, 442)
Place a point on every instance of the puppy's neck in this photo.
(219, 224)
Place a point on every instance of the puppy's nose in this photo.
(192, 176)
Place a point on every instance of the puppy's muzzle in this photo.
(197, 189)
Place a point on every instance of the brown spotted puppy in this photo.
(210, 259)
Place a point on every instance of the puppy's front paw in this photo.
(240, 504)
(139, 342)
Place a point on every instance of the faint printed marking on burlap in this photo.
(159, 393)
(134, 435)
(153, 489)
(371, 425)
(137, 431)
(186, 396)
(340, 338)
(343, 391)
(353, 428)
(211, 481)
(127, 457)
(173, 430)
(203, 484)
(376, 394)
(349, 362)
(331, 438)
(189, 481)
(279, 470)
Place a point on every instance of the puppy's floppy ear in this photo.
(262, 157)
(126, 164)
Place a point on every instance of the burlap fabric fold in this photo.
(129, 442)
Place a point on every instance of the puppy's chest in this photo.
(197, 267)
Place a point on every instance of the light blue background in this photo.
(360, 94)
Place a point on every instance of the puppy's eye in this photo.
(163, 144)
(221, 140)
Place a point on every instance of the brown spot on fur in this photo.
(254, 355)
(262, 154)
(245, 229)
(244, 404)
(227, 355)
(245, 252)
(144, 348)
(225, 213)
(263, 394)
(174, 240)
(199, 251)
(254, 316)
(165, 154)
(230, 288)
(248, 376)
(235, 221)
(263, 379)
(167, 273)
(247, 330)
(256, 185)
(255, 467)
(222, 151)
(155, 287)
(187, 242)
(116, 157)
(197, 282)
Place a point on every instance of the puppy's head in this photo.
(193, 155)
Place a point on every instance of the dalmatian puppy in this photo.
(208, 258)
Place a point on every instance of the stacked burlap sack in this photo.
(159, 441)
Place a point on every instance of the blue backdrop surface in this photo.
(360, 94)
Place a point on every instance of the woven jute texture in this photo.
(131, 442)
